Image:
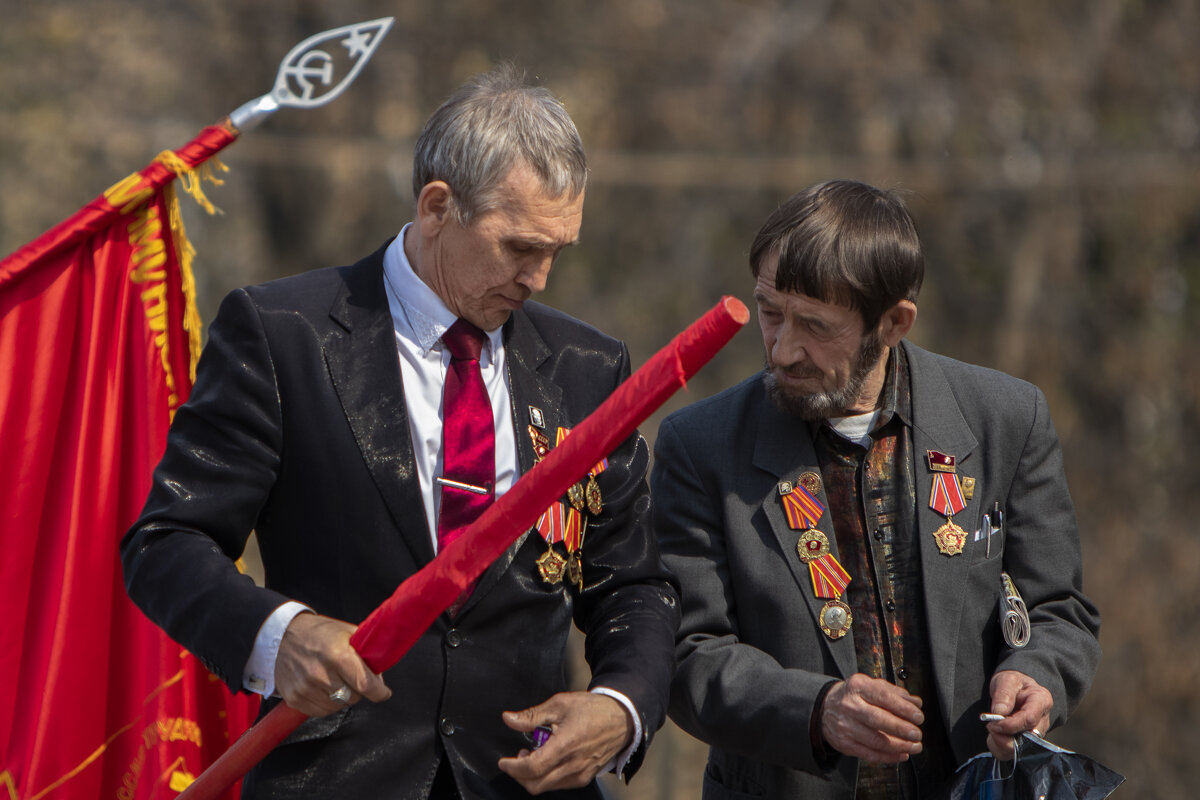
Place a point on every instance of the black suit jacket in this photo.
(297, 429)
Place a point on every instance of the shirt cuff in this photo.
(259, 675)
(617, 765)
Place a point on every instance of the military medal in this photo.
(812, 545)
(566, 519)
(550, 525)
(950, 539)
(550, 566)
(595, 504)
(946, 498)
(575, 570)
(575, 495)
(829, 578)
(537, 417)
(836, 619)
(802, 507)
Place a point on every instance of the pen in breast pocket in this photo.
(998, 517)
(985, 530)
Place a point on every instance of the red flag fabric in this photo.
(95, 701)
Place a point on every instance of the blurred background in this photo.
(1049, 151)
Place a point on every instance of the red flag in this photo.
(95, 701)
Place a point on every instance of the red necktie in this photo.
(468, 438)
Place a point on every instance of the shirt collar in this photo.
(422, 317)
(897, 391)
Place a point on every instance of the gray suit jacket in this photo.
(752, 658)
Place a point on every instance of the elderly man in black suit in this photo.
(358, 419)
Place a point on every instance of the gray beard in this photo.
(823, 405)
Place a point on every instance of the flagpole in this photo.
(101, 212)
(295, 87)
(392, 628)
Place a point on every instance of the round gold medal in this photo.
(812, 545)
(836, 619)
(810, 481)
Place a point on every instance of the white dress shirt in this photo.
(420, 318)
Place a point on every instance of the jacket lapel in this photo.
(525, 352)
(784, 449)
(364, 366)
(938, 424)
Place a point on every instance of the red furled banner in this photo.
(98, 333)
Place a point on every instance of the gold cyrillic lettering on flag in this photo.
(128, 193)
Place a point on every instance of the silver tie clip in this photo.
(466, 487)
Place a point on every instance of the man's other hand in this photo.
(1025, 706)
(872, 719)
(589, 731)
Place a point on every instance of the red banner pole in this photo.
(100, 213)
(390, 630)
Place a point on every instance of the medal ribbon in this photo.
(572, 528)
(829, 578)
(946, 497)
(802, 508)
(550, 524)
(601, 465)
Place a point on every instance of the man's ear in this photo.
(434, 206)
(897, 321)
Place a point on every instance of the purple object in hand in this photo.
(541, 735)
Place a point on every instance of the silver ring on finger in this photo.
(340, 695)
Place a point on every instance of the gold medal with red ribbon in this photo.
(829, 578)
(566, 521)
(946, 498)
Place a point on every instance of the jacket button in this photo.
(447, 727)
(890, 605)
(453, 638)
(878, 535)
(902, 673)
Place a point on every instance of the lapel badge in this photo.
(939, 462)
(785, 487)
(968, 487)
(541, 442)
(810, 481)
(536, 417)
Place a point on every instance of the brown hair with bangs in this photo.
(847, 243)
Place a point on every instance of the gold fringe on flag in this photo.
(191, 180)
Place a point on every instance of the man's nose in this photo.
(789, 347)
(534, 275)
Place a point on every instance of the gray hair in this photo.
(493, 122)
